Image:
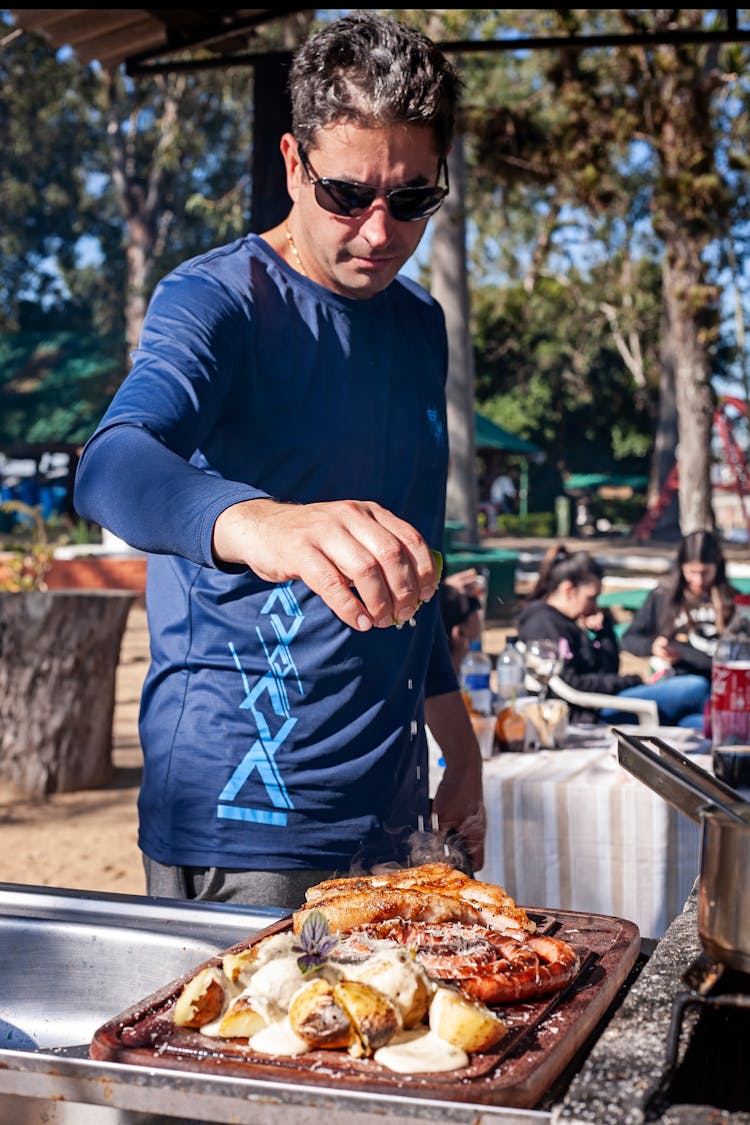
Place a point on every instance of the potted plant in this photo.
(59, 651)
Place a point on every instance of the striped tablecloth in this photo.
(571, 829)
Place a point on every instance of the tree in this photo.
(450, 288)
(574, 145)
(178, 147)
(49, 144)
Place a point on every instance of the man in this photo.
(280, 447)
(503, 493)
(462, 618)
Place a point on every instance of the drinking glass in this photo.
(543, 661)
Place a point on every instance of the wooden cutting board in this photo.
(542, 1039)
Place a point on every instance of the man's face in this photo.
(360, 256)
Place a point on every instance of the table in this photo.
(631, 599)
(571, 829)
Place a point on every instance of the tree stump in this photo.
(59, 651)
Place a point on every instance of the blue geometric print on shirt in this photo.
(269, 690)
(435, 423)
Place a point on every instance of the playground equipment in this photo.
(735, 461)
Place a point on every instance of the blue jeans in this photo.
(680, 700)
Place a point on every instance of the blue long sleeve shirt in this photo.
(274, 736)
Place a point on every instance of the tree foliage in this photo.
(48, 139)
(606, 197)
(617, 141)
(107, 184)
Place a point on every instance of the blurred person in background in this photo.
(462, 618)
(679, 625)
(563, 608)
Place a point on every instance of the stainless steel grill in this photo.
(69, 962)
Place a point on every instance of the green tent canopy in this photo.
(488, 435)
(589, 482)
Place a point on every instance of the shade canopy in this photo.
(145, 39)
(489, 435)
(589, 482)
(136, 36)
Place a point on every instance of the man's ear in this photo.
(292, 163)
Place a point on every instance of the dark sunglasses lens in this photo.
(342, 198)
(409, 204)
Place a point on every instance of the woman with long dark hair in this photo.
(563, 608)
(680, 623)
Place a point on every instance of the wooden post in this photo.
(59, 651)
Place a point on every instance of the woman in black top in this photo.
(680, 622)
(563, 608)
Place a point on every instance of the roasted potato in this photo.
(241, 966)
(464, 1023)
(241, 1020)
(318, 1018)
(374, 1017)
(202, 999)
(235, 965)
(403, 980)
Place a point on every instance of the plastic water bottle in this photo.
(730, 701)
(509, 671)
(475, 672)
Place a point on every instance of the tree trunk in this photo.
(59, 652)
(451, 288)
(683, 276)
(666, 437)
(138, 257)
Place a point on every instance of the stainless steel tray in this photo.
(69, 960)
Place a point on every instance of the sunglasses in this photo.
(350, 199)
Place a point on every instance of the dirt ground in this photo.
(88, 840)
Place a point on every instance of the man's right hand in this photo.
(334, 547)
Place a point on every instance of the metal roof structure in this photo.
(148, 41)
(138, 36)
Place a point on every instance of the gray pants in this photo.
(282, 889)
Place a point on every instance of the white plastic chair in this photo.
(645, 710)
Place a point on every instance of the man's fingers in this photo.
(473, 830)
(326, 580)
(383, 558)
(369, 566)
(424, 563)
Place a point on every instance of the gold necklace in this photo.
(295, 251)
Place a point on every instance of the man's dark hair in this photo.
(372, 71)
(455, 606)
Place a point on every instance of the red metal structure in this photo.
(735, 460)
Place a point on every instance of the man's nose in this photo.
(376, 224)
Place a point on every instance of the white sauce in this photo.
(276, 978)
(397, 974)
(272, 987)
(279, 1039)
(420, 1052)
(279, 945)
(212, 1028)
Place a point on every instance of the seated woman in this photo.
(680, 622)
(563, 607)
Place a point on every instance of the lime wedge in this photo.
(437, 556)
